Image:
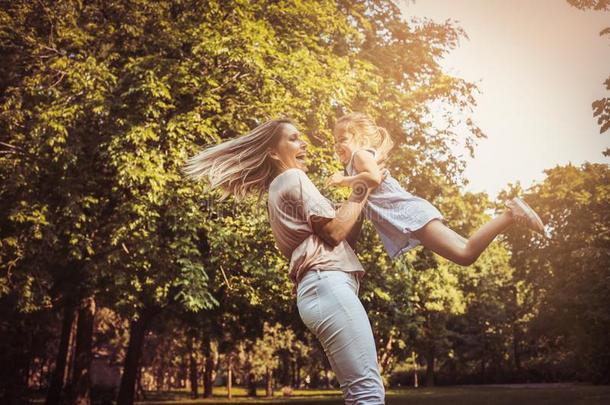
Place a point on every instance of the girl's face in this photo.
(344, 144)
(290, 151)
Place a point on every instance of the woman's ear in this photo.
(273, 154)
(275, 159)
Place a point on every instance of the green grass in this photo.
(559, 394)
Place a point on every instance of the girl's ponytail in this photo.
(385, 143)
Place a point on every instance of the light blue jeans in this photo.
(329, 306)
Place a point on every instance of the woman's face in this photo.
(290, 150)
(344, 145)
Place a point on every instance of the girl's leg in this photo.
(330, 308)
(444, 241)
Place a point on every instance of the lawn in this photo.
(518, 394)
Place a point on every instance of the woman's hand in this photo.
(336, 179)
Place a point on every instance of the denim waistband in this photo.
(316, 274)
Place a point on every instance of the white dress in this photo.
(395, 212)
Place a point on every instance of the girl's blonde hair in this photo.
(365, 132)
(239, 166)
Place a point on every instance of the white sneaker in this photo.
(524, 214)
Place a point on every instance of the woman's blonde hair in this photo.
(365, 132)
(242, 165)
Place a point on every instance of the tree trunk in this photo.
(15, 392)
(230, 375)
(208, 372)
(193, 368)
(59, 373)
(159, 376)
(251, 384)
(81, 384)
(269, 391)
(430, 366)
(298, 373)
(13, 373)
(516, 334)
(285, 377)
(71, 353)
(139, 388)
(415, 378)
(386, 356)
(137, 332)
(29, 361)
(516, 349)
(184, 381)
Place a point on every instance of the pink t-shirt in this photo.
(293, 201)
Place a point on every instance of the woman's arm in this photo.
(354, 234)
(335, 230)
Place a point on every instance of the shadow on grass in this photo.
(522, 394)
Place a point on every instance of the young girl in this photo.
(403, 220)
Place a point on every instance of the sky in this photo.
(539, 64)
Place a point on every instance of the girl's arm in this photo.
(368, 170)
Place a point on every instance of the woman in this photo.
(312, 234)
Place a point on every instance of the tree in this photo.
(569, 272)
(601, 107)
(55, 194)
(267, 350)
(601, 5)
